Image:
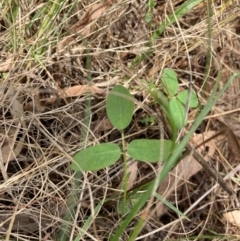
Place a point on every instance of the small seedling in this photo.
(172, 157)
(149, 14)
(174, 103)
(177, 101)
(120, 108)
(148, 120)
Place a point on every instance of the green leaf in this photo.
(170, 82)
(168, 204)
(150, 150)
(96, 157)
(177, 112)
(151, 4)
(172, 18)
(120, 107)
(183, 97)
(148, 120)
(148, 17)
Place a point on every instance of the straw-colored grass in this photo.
(45, 48)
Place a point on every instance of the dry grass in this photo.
(40, 131)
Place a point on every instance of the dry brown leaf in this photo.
(132, 171)
(102, 124)
(93, 13)
(199, 138)
(83, 27)
(22, 221)
(8, 152)
(80, 90)
(96, 11)
(7, 65)
(233, 142)
(9, 148)
(105, 125)
(185, 169)
(232, 217)
(180, 174)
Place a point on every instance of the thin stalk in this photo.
(47, 23)
(125, 177)
(172, 160)
(171, 19)
(65, 230)
(209, 52)
(163, 102)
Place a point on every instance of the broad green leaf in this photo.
(96, 157)
(150, 150)
(120, 107)
(177, 111)
(183, 97)
(170, 82)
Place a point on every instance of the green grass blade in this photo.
(46, 26)
(183, 9)
(168, 204)
(63, 234)
(174, 157)
(88, 222)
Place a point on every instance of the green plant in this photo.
(173, 159)
(120, 109)
(149, 15)
(177, 101)
(148, 120)
(170, 19)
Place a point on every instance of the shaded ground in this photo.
(42, 126)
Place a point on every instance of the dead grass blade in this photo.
(7, 151)
(233, 142)
(84, 26)
(187, 168)
(11, 148)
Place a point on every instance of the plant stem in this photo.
(125, 177)
(171, 19)
(163, 102)
(209, 52)
(65, 230)
(172, 160)
(47, 23)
